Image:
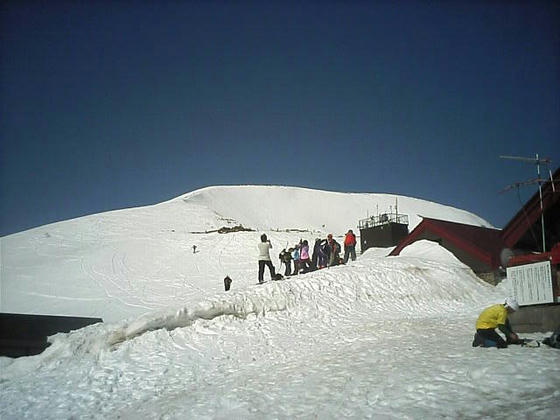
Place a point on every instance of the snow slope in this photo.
(128, 262)
(382, 337)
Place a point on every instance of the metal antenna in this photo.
(537, 161)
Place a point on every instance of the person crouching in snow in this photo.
(264, 258)
(496, 316)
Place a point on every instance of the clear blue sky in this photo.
(108, 105)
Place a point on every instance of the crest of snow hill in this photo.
(292, 208)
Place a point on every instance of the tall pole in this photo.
(540, 197)
(539, 181)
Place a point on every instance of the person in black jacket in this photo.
(286, 258)
(333, 249)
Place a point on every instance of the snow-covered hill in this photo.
(127, 262)
(381, 337)
(272, 207)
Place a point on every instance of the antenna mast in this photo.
(537, 161)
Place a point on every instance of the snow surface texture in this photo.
(383, 337)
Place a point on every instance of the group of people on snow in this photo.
(325, 253)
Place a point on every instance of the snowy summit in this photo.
(380, 337)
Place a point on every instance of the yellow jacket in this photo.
(491, 317)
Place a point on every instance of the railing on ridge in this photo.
(383, 219)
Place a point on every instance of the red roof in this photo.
(483, 244)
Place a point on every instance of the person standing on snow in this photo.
(333, 251)
(349, 246)
(323, 256)
(304, 262)
(264, 258)
(295, 257)
(315, 255)
(286, 258)
(493, 317)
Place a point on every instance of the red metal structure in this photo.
(487, 250)
(523, 229)
(553, 256)
(476, 246)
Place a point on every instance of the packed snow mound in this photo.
(386, 288)
(430, 250)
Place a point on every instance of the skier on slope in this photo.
(496, 316)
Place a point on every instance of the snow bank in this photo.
(429, 250)
(388, 288)
(380, 337)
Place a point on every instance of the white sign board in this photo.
(531, 284)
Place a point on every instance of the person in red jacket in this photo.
(349, 246)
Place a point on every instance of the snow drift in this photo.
(417, 286)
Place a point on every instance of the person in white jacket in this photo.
(264, 258)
